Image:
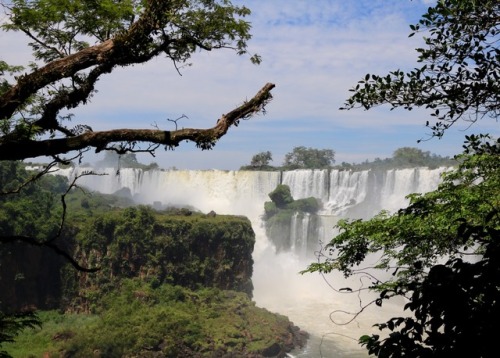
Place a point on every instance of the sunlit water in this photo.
(311, 301)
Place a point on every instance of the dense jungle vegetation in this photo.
(278, 214)
(141, 319)
(174, 283)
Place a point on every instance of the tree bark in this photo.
(204, 138)
(133, 46)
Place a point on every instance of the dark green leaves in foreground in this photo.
(11, 324)
(443, 252)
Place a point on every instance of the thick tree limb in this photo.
(29, 84)
(204, 138)
(134, 46)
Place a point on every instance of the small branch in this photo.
(41, 173)
(33, 242)
(63, 202)
(49, 243)
(41, 43)
(34, 178)
(177, 119)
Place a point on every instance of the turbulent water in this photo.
(309, 299)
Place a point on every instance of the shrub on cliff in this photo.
(283, 210)
(282, 199)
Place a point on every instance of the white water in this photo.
(306, 299)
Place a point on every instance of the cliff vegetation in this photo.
(169, 283)
(283, 211)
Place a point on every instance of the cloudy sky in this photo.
(314, 51)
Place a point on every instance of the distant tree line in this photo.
(299, 158)
(405, 157)
(310, 158)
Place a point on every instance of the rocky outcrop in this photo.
(294, 338)
(151, 249)
(191, 251)
(289, 222)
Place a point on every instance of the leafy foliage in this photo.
(309, 158)
(281, 196)
(404, 157)
(28, 209)
(138, 319)
(280, 212)
(460, 75)
(11, 324)
(261, 160)
(191, 251)
(453, 304)
(282, 199)
(30, 217)
(411, 156)
(75, 43)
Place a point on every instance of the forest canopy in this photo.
(311, 158)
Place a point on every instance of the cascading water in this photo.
(307, 299)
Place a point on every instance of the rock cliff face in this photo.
(190, 250)
(289, 222)
(140, 247)
(187, 249)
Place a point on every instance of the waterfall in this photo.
(344, 193)
(306, 300)
(362, 194)
(226, 192)
(305, 183)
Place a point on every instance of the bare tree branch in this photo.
(32, 179)
(50, 245)
(204, 138)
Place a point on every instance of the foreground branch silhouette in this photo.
(204, 138)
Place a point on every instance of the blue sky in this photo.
(314, 51)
